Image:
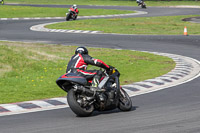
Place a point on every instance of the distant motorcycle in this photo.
(84, 99)
(141, 3)
(1, 2)
(72, 14)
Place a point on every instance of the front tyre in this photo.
(125, 103)
(68, 17)
(76, 107)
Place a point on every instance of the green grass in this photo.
(26, 11)
(172, 3)
(169, 25)
(105, 2)
(28, 71)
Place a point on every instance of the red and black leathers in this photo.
(74, 10)
(79, 62)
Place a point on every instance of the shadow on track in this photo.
(97, 113)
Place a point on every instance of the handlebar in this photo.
(112, 72)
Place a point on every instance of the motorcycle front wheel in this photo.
(68, 17)
(125, 103)
(82, 111)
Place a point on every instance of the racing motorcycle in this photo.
(71, 14)
(83, 99)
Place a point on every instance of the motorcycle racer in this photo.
(79, 62)
(141, 3)
(74, 8)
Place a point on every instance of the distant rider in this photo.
(139, 2)
(75, 9)
(80, 61)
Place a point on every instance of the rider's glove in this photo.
(109, 69)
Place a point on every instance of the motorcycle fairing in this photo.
(71, 9)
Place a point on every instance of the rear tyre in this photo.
(72, 98)
(125, 103)
(143, 5)
(75, 17)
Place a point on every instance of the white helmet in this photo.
(74, 6)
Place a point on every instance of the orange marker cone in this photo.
(185, 31)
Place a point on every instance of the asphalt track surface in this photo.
(173, 110)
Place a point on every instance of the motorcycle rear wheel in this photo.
(75, 18)
(143, 5)
(76, 107)
(125, 103)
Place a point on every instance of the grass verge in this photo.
(168, 25)
(29, 70)
(27, 11)
(105, 2)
